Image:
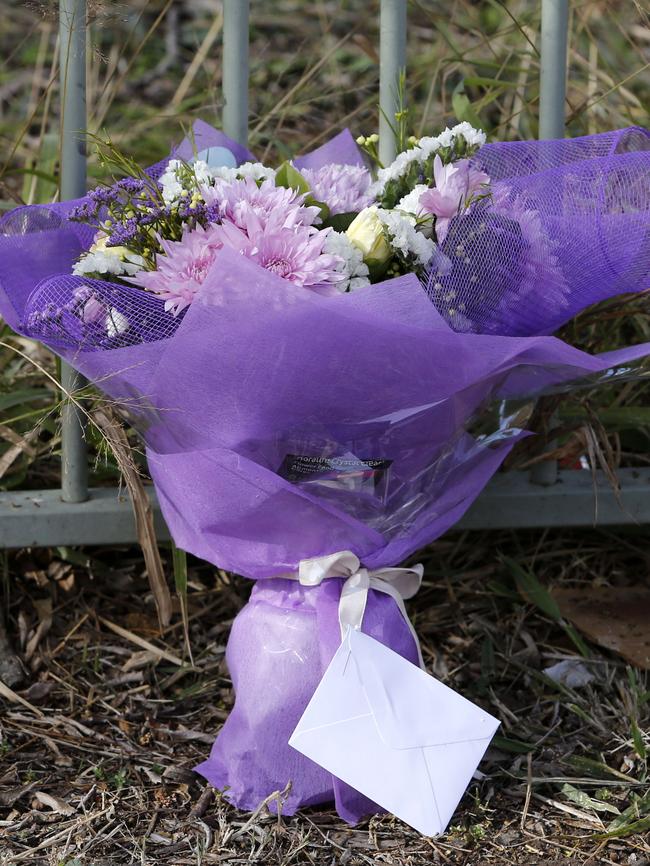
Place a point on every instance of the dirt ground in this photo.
(98, 741)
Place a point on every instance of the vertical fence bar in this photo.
(72, 26)
(392, 61)
(235, 69)
(555, 27)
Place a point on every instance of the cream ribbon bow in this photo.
(399, 583)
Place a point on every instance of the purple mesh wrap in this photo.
(282, 425)
(566, 226)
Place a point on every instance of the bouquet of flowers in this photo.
(303, 350)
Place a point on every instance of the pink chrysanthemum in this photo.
(182, 267)
(343, 188)
(235, 198)
(293, 253)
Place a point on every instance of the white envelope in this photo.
(394, 733)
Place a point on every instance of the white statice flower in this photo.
(446, 138)
(202, 171)
(351, 264)
(180, 179)
(411, 201)
(172, 188)
(473, 137)
(429, 145)
(398, 167)
(425, 148)
(405, 238)
(255, 170)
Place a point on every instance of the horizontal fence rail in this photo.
(76, 515)
(510, 501)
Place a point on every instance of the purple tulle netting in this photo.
(566, 226)
(282, 425)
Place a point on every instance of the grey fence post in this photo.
(555, 27)
(392, 61)
(72, 26)
(235, 69)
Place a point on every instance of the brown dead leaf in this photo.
(139, 623)
(44, 610)
(39, 576)
(62, 573)
(614, 617)
(38, 691)
(56, 804)
(19, 445)
(10, 795)
(125, 726)
(140, 659)
(10, 695)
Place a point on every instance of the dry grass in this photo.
(98, 769)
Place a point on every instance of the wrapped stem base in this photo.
(281, 644)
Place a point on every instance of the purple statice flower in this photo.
(236, 198)
(105, 195)
(189, 211)
(293, 252)
(131, 185)
(343, 188)
(122, 234)
(85, 212)
(456, 185)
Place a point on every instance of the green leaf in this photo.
(40, 183)
(532, 590)
(507, 744)
(290, 178)
(634, 819)
(585, 801)
(17, 398)
(310, 201)
(639, 744)
(463, 108)
(596, 769)
(613, 417)
(340, 222)
(640, 807)
(630, 829)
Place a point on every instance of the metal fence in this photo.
(76, 514)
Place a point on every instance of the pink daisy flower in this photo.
(456, 184)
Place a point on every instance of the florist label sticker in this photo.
(351, 471)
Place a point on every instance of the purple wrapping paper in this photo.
(259, 375)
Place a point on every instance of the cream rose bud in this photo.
(366, 232)
(100, 245)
